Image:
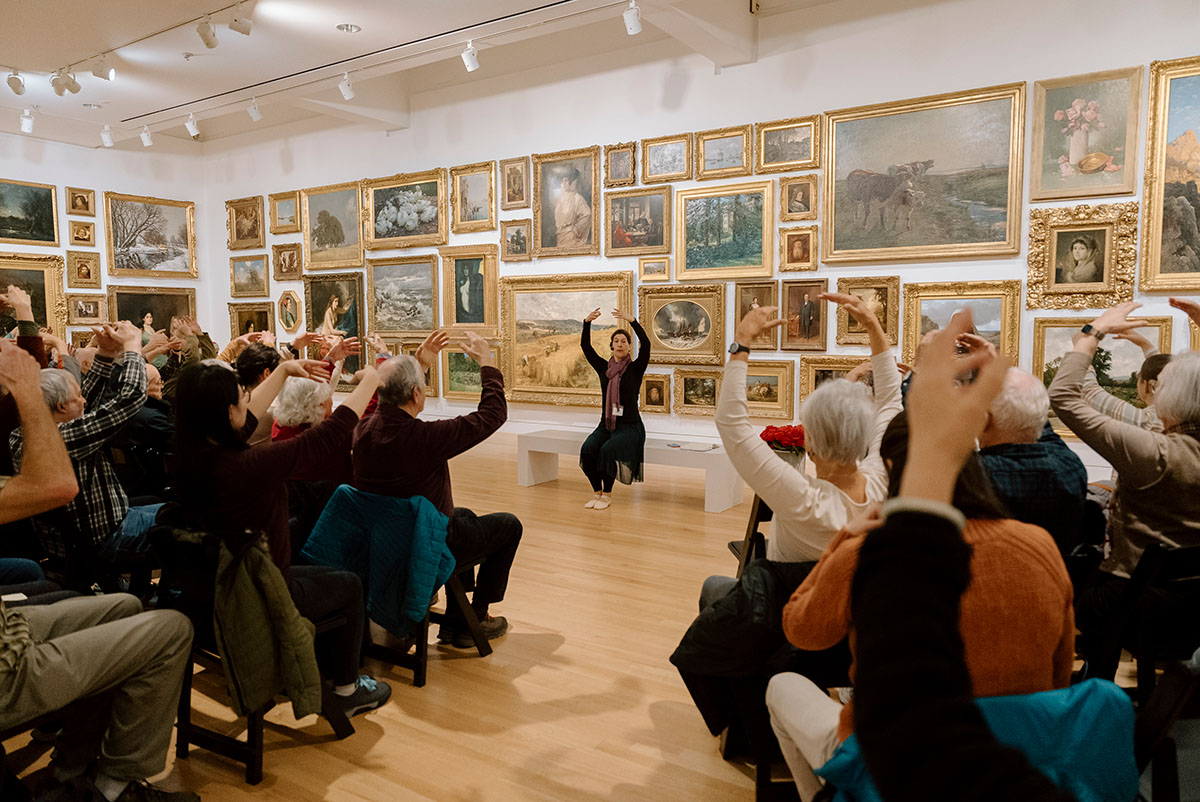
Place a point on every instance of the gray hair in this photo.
(1178, 396)
(56, 387)
(837, 419)
(1021, 408)
(301, 401)
(402, 376)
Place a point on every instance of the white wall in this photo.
(831, 56)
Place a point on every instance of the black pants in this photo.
(322, 592)
(1165, 616)
(603, 449)
(491, 538)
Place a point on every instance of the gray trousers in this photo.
(127, 662)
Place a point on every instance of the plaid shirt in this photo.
(101, 504)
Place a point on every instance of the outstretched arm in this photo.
(585, 342)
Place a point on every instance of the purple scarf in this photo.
(612, 397)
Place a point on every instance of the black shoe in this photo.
(370, 694)
(493, 627)
(141, 791)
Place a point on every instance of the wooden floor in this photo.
(578, 702)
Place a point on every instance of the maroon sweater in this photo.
(398, 455)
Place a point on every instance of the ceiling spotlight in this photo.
(192, 129)
(633, 19)
(208, 34)
(346, 87)
(253, 111)
(470, 57)
(147, 140)
(239, 23)
(16, 83)
(59, 82)
(103, 71)
(106, 136)
(27, 122)
(72, 85)
(349, 27)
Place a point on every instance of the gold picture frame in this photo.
(909, 212)
(81, 202)
(409, 346)
(456, 362)
(337, 229)
(814, 370)
(238, 317)
(696, 391)
(620, 165)
(81, 232)
(624, 236)
(514, 183)
(460, 193)
(1105, 233)
(42, 277)
(286, 260)
(770, 388)
(83, 270)
(779, 146)
(585, 163)
(876, 291)
(748, 295)
(805, 330)
(244, 223)
(515, 240)
(724, 151)
(685, 323)
(291, 311)
(347, 316)
(798, 198)
(797, 249)
(694, 208)
(660, 165)
(1004, 306)
(540, 353)
(285, 212)
(244, 276)
(402, 295)
(476, 310)
(386, 227)
(80, 339)
(128, 302)
(1194, 340)
(1183, 261)
(133, 223)
(654, 268)
(19, 195)
(656, 393)
(77, 310)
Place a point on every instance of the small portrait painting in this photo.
(249, 318)
(751, 296)
(1080, 255)
(83, 270)
(804, 312)
(796, 249)
(797, 198)
(81, 202)
(289, 311)
(82, 233)
(656, 393)
(468, 291)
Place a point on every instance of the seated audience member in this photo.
(194, 345)
(147, 440)
(842, 430)
(18, 302)
(1158, 496)
(424, 471)
(253, 365)
(1016, 618)
(1146, 416)
(227, 487)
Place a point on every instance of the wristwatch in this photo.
(737, 348)
(1089, 329)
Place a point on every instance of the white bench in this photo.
(537, 462)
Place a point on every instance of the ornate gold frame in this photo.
(809, 365)
(276, 272)
(1009, 292)
(405, 345)
(812, 162)
(785, 407)
(505, 254)
(621, 282)
(891, 326)
(488, 253)
(786, 266)
(793, 217)
(439, 237)
(272, 201)
(430, 261)
(118, 289)
(455, 395)
(1119, 220)
(234, 292)
(54, 209)
(536, 247)
(747, 165)
(51, 268)
(784, 286)
(90, 194)
(73, 259)
(770, 340)
(679, 407)
(264, 306)
(101, 317)
(643, 276)
(306, 230)
(683, 273)
(80, 339)
(656, 378)
(110, 240)
(622, 147)
(458, 226)
(525, 199)
(1195, 335)
(299, 311)
(709, 296)
(232, 207)
(1133, 114)
(1010, 245)
(638, 250)
(86, 225)
(683, 175)
(1152, 279)
(356, 281)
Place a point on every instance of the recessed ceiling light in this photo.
(349, 27)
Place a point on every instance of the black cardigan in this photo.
(631, 379)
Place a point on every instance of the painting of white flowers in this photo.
(405, 211)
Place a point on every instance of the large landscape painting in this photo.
(150, 237)
(331, 227)
(28, 213)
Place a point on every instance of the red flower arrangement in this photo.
(784, 438)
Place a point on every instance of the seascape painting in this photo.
(28, 213)
(403, 295)
(150, 237)
(682, 325)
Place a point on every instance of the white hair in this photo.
(301, 401)
(1178, 395)
(402, 376)
(837, 419)
(56, 387)
(1021, 408)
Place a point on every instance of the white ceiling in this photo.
(295, 55)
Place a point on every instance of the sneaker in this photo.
(602, 503)
(370, 694)
(141, 791)
(493, 627)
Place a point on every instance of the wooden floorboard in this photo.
(577, 703)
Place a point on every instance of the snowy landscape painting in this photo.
(150, 236)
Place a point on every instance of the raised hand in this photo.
(129, 335)
(478, 349)
(267, 339)
(107, 342)
(854, 305)
(619, 315)
(18, 370)
(343, 348)
(595, 313)
(430, 347)
(1136, 339)
(314, 369)
(18, 300)
(755, 323)
(1192, 308)
(307, 339)
(973, 342)
(1115, 320)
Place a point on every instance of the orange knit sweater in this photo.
(1016, 618)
